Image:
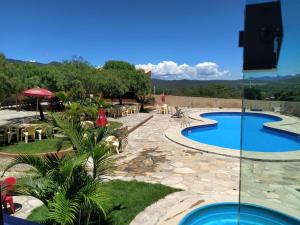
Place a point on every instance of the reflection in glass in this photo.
(271, 178)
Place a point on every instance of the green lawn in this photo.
(45, 145)
(114, 124)
(127, 199)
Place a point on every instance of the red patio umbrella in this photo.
(102, 120)
(38, 92)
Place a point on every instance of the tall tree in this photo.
(142, 87)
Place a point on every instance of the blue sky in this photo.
(192, 39)
(141, 32)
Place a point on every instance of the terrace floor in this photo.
(151, 157)
(203, 177)
(12, 116)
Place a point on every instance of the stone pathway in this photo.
(151, 157)
(132, 120)
(12, 116)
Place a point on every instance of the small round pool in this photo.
(226, 133)
(227, 214)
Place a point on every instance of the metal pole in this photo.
(37, 107)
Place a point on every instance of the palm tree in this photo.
(69, 186)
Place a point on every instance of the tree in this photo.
(118, 65)
(5, 84)
(114, 85)
(142, 87)
(252, 93)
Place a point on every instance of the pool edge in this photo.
(174, 134)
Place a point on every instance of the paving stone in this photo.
(183, 170)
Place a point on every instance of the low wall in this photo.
(288, 108)
(200, 102)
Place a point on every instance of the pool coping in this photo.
(174, 134)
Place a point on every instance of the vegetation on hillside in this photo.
(75, 77)
(284, 89)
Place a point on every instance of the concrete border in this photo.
(140, 124)
(60, 153)
(174, 134)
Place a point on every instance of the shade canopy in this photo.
(38, 92)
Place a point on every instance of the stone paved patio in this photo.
(9, 116)
(132, 120)
(203, 177)
(151, 157)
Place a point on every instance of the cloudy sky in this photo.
(169, 70)
(178, 39)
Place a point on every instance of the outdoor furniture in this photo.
(41, 131)
(124, 111)
(178, 113)
(28, 132)
(102, 120)
(114, 112)
(164, 109)
(122, 134)
(276, 109)
(87, 124)
(3, 135)
(113, 142)
(7, 187)
(133, 109)
(12, 131)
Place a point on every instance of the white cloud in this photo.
(169, 70)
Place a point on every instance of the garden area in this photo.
(74, 186)
(127, 199)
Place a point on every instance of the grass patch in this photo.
(39, 214)
(114, 124)
(43, 146)
(127, 199)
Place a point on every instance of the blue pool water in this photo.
(227, 133)
(227, 214)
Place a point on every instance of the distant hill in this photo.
(36, 63)
(269, 87)
(287, 77)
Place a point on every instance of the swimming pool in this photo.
(227, 214)
(226, 133)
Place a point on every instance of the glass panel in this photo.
(270, 156)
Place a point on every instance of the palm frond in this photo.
(41, 188)
(62, 210)
(69, 164)
(102, 161)
(73, 131)
(36, 162)
(91, 196)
